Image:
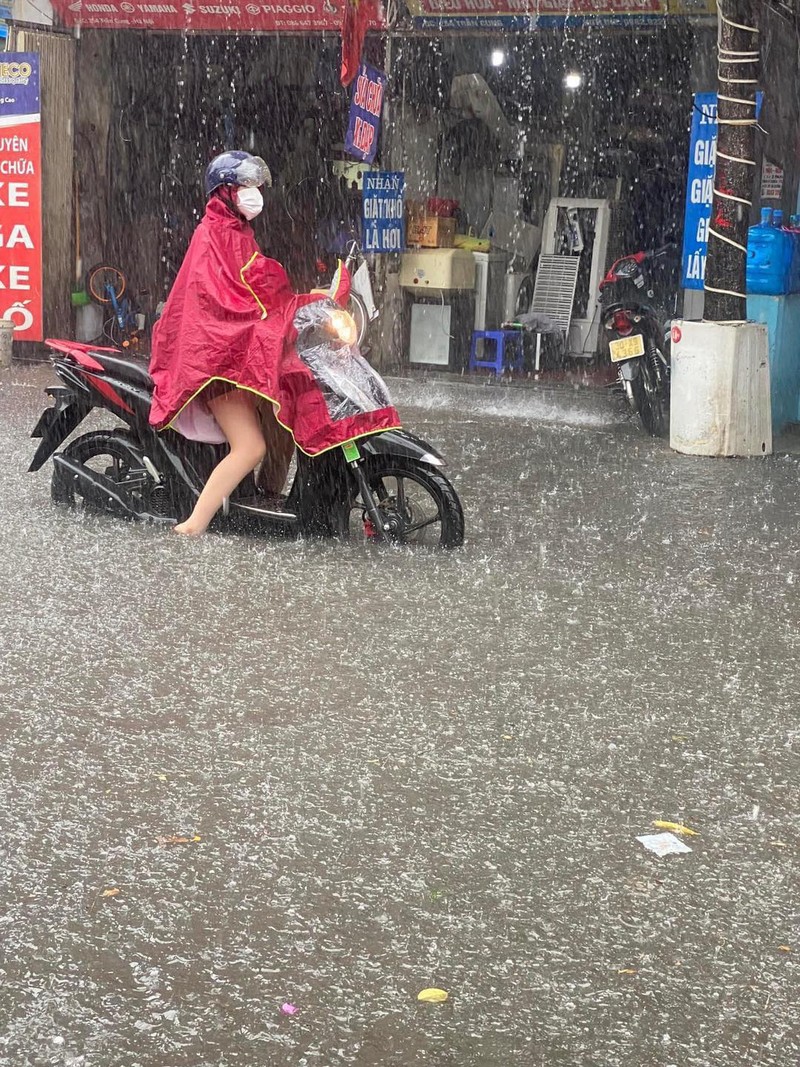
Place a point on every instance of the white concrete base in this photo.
(719, 392)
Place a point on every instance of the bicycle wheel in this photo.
(100, 279)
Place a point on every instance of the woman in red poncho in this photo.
(203, 354)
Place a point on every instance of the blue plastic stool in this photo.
(502, 339)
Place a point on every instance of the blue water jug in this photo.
(770, 252)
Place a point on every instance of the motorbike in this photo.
(638, 338)
(385, 487)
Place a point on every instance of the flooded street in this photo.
(331, 775)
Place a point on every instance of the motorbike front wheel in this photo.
(651, 396)
(418, 504)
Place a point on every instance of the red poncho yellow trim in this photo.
(229, 317)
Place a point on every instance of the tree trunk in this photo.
(739, 67)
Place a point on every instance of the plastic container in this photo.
(770, 257)
(79, 298)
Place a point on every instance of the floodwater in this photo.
(398, 771)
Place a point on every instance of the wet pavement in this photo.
(409, 770)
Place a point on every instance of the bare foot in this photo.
(187, 529)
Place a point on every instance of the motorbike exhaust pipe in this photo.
(627, 372)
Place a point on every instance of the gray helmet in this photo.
(237, 168)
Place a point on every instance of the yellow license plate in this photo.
(626, 348)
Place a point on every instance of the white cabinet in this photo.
(437, 268)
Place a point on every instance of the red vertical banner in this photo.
(20, 195)
(357, 17)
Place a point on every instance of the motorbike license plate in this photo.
(626, 348)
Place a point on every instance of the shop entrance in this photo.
(509, 125)
(278, 97)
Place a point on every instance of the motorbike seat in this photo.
(135, 373)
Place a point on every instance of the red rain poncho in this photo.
(229, 318)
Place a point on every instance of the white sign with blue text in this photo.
(383, 211)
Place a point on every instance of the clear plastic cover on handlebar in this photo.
(348, 383)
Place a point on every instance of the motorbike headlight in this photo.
(342, 325)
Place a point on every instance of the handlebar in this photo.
(662, 251)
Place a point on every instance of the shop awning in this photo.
(519, 14)
(303, 16)
(196, 15)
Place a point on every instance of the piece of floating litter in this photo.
(676, 827)
(289, 1009)
(664, 844)
(432, 996)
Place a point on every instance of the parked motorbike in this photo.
(638, 338)
(388, 486)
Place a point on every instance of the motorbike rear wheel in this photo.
(651, 396)
(111, 453)
(418, 503)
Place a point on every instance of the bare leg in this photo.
(236, 414)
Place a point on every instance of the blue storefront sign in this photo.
(699, 189)
(365, 114)
(383, 213)
(530, 23)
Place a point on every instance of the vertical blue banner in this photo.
(383, 210)
(365, 114)
(699, 190)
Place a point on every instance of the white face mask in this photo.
(250, 202)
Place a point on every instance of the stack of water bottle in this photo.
(773, 254)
